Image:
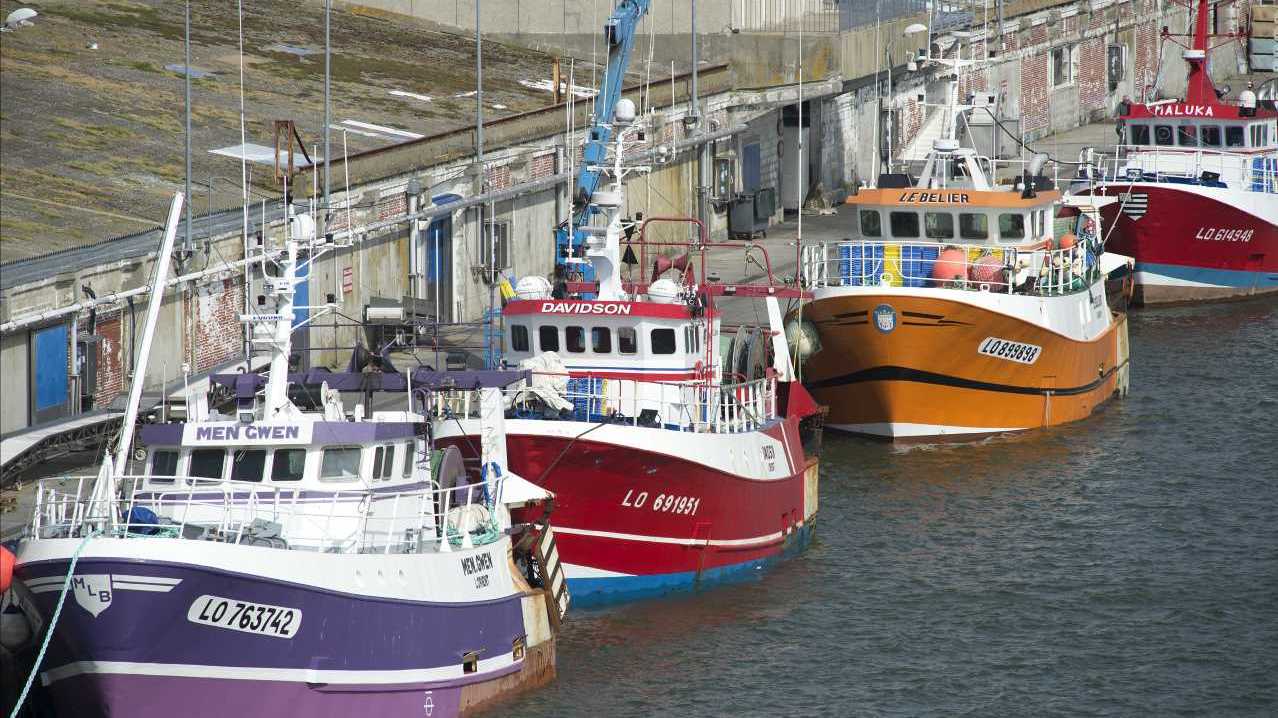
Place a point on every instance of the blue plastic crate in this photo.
(916, 264)
(860, 263)
(584, 392)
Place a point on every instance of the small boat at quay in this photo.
(960, 307)
(1197, 184)
(285, 559)
(681, 452)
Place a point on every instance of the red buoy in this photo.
(950, 266)
(7, 560)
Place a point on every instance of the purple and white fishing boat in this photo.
(285, 560)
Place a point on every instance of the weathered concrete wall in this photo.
(14, 359)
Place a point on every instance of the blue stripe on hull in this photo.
(1238, 279)
(595, 592)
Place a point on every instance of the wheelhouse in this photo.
(948, 216)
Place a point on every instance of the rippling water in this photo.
(1124, 565)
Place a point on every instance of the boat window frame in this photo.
(918, 223)
(597, 347)
(273, 463)
(652, 341)
(622, 333)
(1004, 238)
(878, 217)
(407, 465)
(985, 226)
(544, 331)
(1171, 136)
(1143, 129)
(190, 466)
(519, 335)
(580, 331)
(927, 228)
(165, 479)
(1242, 136)
(235, 460)
(359, 452)
(1213, 130)
(1187, 129)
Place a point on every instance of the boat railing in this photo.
(695, 406)
(340, 520)
(1248, 171)
(967, 267)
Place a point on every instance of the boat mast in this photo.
(1200, 89)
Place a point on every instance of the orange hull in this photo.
(951, 368)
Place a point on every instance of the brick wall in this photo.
(395, 205)
(1035, 108)
(498, 177)
(542, 165)
(218, 336)
(1093, 76)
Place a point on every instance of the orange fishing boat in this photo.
(962, 308)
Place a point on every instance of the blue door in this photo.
(301, 299)
(49, 369)
(439, 259)
(750, 168)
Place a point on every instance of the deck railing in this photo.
(971, 267)
(681, 406)
(359, 520)
(1248, 171)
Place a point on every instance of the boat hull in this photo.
(1195, 243)
(642, 512)
(134, 636)
(956, 369)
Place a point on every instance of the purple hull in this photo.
(142, 654)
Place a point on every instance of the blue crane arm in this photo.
(619, 33)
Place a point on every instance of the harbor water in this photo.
(1123, 565)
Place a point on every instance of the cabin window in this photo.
(1011, 226)
(663, 341)
(974, 225)
(939, 225)
(1187, 136)
(871, 223)
(248, 464)
(408, 460)
(1211, 135)
(904, 224)
(1163, 135)
(207, 463)
(627, 341)
(288, 464)
(1234, 136)
(163, 465)
(340, 464)
(1140, 134)
(519, 338)
(383, 462)
(1258, 136)
(378, 455)
(548, 339)
(601, 340)
(575, 339)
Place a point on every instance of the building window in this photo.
(627, 341)
(288, 465)
(904, 224)
(601, 340)
(340, 464)
(575, 339)
(939, 225)
(974, 226)
(519, 338)
(871, 223)
(663, 341)
(495, 248)
(1062, 65)
(548, 339)
(248, 464)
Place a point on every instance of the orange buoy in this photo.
(950, 266)
(1068, 240)
(7, 560)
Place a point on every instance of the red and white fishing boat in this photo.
(1197, 181)
(678, 458)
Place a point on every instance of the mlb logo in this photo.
(92, 592)
(884, 318)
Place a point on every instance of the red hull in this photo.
(613, 510)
